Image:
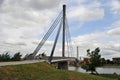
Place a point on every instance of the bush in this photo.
(16, 57)
(4, 57)
(93, 61)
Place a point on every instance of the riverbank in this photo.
(43, 71)
(111, 66)
(100, 70)
(113, 73)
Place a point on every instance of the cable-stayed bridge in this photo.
(62, 24)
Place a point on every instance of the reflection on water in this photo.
(99, 70)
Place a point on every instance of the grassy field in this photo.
(42, 71)
(112, 76)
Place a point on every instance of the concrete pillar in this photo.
(63, 65)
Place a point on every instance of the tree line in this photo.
(17, 57)
(6, 57)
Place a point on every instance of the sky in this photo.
(92, 24)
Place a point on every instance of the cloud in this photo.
(44, 4)
(24, 21)
(30, 4)
(88, 12)
(115, 6)
(115, 30)
(108, 41)
(14, 44)
(72, 2)
(1, 2)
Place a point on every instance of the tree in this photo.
(17, 57)
(5, 57)
(28, 56)
(103, 61)
(93, 61)
(108, 61)
(43, 54)
(25, 57)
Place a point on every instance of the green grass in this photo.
(112, 76)
(42, 71)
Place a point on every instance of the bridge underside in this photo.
(61, 64)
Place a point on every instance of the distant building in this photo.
(116, 60)
(85, 60)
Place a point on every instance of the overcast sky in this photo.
(92, 23)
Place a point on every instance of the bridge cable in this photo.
(56, 39)
(67, 41)
(47, 35)
(70, 48)
(51, 29)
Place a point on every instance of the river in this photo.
(99, 70)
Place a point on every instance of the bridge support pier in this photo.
(63, 65)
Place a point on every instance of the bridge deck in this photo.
(20, 62)
(62, 60)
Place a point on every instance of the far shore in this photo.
(111, 66)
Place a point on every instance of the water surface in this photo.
(99, 70)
